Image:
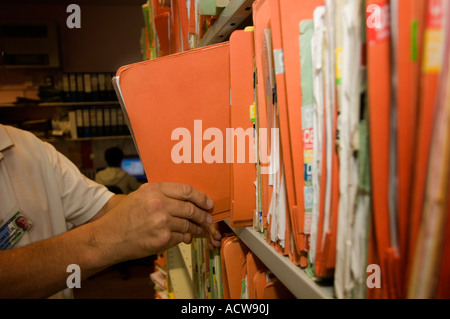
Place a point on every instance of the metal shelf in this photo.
(292, 276)
(230, 18)
(80, 139)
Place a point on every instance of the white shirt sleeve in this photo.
(82, 198)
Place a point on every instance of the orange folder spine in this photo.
(254, 265)
(162, 28)
(429, 85)
(184, 22)
(408, 69)
(291, 249)
(379, 82)
(243, 195)
(234, 254)
(225, 287)
(261, 21)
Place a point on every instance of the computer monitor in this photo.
(133, 166)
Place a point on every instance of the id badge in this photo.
(13, 229)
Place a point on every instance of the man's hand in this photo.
(154, 218)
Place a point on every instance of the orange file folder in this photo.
(429, 274)
(225, 287)
(254, 265)
(178, 108)
(162, 28)
(192, 18)
(176, 36)
(269, 287)
(276, 290)
(184, 22)
(410, 24)
(408, 83)
(443, 289)
(268, 122)
(234, 254)
(291, 249)
(259, 283)
(292, 12)
(379, 84)
(431, 66)
(260, 21)
(243, 170)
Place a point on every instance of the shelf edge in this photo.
(221, 29)
(303, 287)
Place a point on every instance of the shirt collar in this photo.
(5, 139)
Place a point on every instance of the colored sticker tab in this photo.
(307, 116)
(252, 113)
(278, 57)
(339, 65)
(308, 138)
(415, 41)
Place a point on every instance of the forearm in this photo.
(113, 201)
(39, 270)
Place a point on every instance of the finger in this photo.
(183, 226)
(187, 193)
(187, 238)
(177, 238)
(212, 235)
(215, 242)
(215, 232)
(189, 211)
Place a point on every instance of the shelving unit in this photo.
(90, 147)
(61, 104)
(31, 111)
(97, 138)
(293, 277)
(16, 113)
(230, 18)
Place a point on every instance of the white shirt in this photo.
(45, 186)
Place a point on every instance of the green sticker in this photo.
(415, 41)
